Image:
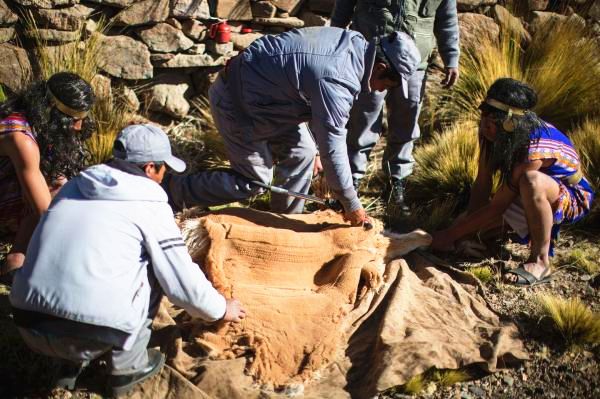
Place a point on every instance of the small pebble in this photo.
(508, 380)
(475, 390)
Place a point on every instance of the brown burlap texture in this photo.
(332, 312)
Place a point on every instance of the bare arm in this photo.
(482, 187)
(477, 220)
(25, 156)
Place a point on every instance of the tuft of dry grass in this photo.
(483, 273)
(196, 139)
(572, 319)
(2, 95)
(414, 386)
(560, 62)
(586, 139)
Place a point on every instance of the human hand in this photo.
(442, 241)
(56, 184)
(450, 78)
(358, 217)
(318, 167)
(234, 312)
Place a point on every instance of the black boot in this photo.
(121, 384)
(397, 199)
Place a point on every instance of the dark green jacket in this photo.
(424, 20)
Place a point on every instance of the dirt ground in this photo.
(554, 370)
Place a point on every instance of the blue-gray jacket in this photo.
(306, 75)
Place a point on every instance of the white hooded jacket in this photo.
(89, 257)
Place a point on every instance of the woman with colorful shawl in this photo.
(542, 182)
(42, 131)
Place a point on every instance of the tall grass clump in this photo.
(572, 319)
(445, 169)
(196, 139)
(560, 62)
(2, 95)
(82, 57)
(587, 261)
(586, 139)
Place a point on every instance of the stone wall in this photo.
(163, 46)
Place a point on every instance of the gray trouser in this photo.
(364, 128)
(252, 155)
(83, 348)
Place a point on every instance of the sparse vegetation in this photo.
(572, 319)
(587, 261)
(483, 273)
(2, 95)
(448, 378)
(414, 386)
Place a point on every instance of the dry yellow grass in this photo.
(586, 260)
(2, 95)
(448, 378)
(561, 63)
(414, 386)
(572, 319)
(483, 273)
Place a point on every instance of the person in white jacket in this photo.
(100, 260)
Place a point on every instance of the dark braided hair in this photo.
(510, 148)
(62, 151)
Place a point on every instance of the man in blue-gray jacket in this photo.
(426, 21)
(100, 260)
(267, 98)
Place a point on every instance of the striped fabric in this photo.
(12, 203)
(575, 199)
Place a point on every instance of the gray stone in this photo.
(291, 22)
(312, 19)
(508, 380)
(194, 29)
(263, 9)
(219, 48)
(6, 34)
(185, 60)
(541, 18)
(7, 17)
(594, 11)
(324, 6)
(46, 3)
(174, 23)
(290, 6)
(470, 5)
(538, 5)
(505, 19)
(234, 10)
(145, 12)
(70, 18)
(114, 3)
(242, 40)
(190, 9)
(163, 38)
(101, 85)
(124, 57)
(168, 95)
(197, 48)
(53, 35)
(130, 99)
(474, 28)
(475, 390)
(15, 69)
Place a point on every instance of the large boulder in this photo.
(470, 5)
(190, 9)
(186, 60)
(124, 57)
(53, 35)
(168, 95)
(69, 18)
(15, 69)
(289, 22)
(474, 27)
(7, 17)
(164, 38)
(312, 19)
(6, 34)
(144, 12)
(541, 18)
(513, 24)
(538, 5)
(46, 3)
(194, 29)
(235, 10)
(263, 9)
(243, 40)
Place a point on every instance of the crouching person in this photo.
(99, 261)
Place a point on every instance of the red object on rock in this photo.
(246, 29)
(220, 32)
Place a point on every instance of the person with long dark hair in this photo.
(42, 134)
(542, 185)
